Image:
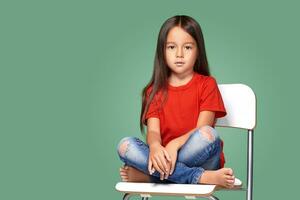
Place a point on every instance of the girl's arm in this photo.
(158, 156)
(153, 132)
(205, 118)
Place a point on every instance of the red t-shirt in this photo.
(181, 110)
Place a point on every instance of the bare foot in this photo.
(223, 177)
(130, 174)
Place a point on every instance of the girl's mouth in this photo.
(179, 63)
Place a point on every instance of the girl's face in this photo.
(180, 51)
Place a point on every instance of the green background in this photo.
(72, 73)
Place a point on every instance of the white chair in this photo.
(240, 104)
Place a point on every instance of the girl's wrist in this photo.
(176, 144)
(154, 144)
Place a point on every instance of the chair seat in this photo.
(169, 189)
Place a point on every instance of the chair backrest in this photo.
(240, 104)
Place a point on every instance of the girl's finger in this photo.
(172, 167)
(163, 161)
(153, 169)
(159, 164)
(166, 176)
(162, 176)
(150, 166)
(167, 155)
(157, 167)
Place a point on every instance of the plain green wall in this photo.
(71, 76)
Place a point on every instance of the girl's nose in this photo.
(179, 53)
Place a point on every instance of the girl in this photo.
(180, 105)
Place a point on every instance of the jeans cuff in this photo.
(197, 175)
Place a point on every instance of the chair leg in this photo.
(213, 198)
(126, 196)
(250, 165)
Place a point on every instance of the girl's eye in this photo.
(187, 47)
(171, 47)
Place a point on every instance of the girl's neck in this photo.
(178, 80)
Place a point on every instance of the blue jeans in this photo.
(198, 154)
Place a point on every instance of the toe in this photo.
(230, 181)
(124, 177)
(228, 177)
(229, 171)
(122, 170)
(123, 173)
(229, 185)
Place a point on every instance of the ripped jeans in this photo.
(199, 153)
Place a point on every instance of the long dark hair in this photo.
(161, 72)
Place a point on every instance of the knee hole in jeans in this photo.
(123, 146)
(207, 131)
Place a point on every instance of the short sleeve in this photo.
(153, 108)
(211, 99)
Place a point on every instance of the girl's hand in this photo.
(172, 149)
(158, 158)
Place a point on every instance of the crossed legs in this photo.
(197, 159)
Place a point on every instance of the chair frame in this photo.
(250, 165)
(249, 126)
